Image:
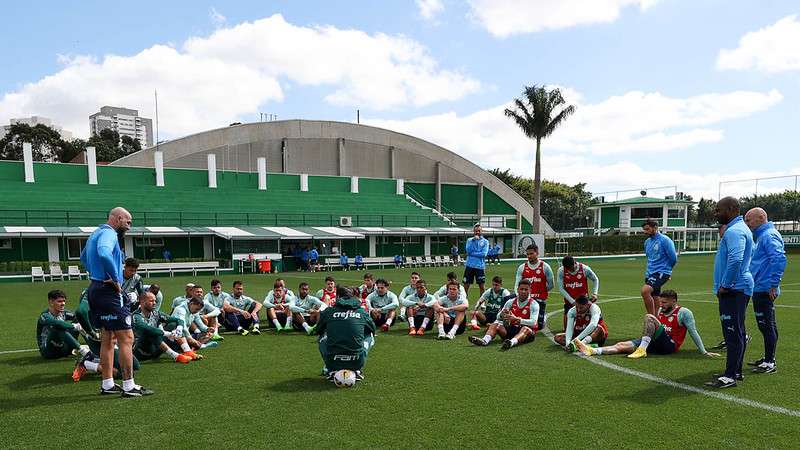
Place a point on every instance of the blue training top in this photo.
(661, 256)
(769, 258)
(732, 263)
(477, 248)
(102, 256)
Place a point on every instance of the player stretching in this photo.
(489, 305)
(450, 312)
(407, 291)
(419, 304)
(328, 294)
(661, 258)
(56, 335)
(540, 277)
(662, 334)
(382, 305)
(366, 289)
(517, 322)
(584, 323)
(149, 336)
(573, 281)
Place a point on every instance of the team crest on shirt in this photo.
(669, 319)
(578, 276)
(538, 271)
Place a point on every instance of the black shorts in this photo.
(473, 275)
(313, 261)
(490, 316)
(656, 280)
(542, 308)
(418, 322)
(108, 309)
(461, 327)
(513, 330)
(296, 324)
(381, 319)
(281, 316)
(662, 344)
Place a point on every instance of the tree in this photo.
(106, 145)
(538, 113)
(45, 141)
(129, 145)
(705, 212)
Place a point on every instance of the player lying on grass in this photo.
(241, 312)
(150, 338)
(662, 334)
(196, 333)
(382, 305)
(217, 298)
(489, 304)
(450, 312)
(407, 291)
(419, 311)
(451, 278)
(56, 334)
(573, 281)
(328, 294)
(305, 309)
(188, 293)
(345, 334)
(365, 289)
(277, 307)
(517, 322)
(584, 323)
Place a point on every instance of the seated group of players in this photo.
(196, 317)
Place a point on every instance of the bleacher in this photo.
(54, 203)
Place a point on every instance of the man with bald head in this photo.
(733, 286)
(110, 310)
(767, 266)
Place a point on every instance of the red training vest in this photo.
(538, 280)
(675, 330)
(576, 285)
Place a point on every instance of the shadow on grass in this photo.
(32, 359)
(660, 393)
(16, 404)
(305, 384)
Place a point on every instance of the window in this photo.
(5, 244)
(407, 239)
(643, 213)
(676, 212)
(150, 242)
(74, 247)
(440, 239)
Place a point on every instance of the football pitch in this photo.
(265, 391)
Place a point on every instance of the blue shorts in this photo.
(108, 309)
(662, 343)
(473, 275)
(656, 280)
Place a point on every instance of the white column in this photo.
(91, 164)
(401, 186)
(665, 215)
(354, 185)
(208, 248)
(427, 245)
(27, 156)
(52, 249)
(212, 170)
(262, 173)
(372, 240)
(304, 182)
(128, 246)
(158, 160)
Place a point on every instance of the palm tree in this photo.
(538, 113)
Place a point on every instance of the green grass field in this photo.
(264, 391)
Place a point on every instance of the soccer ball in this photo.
(344, 378)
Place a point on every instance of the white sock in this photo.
(487, 339)
(288, 322)
(108, 383)
(425, 323)
(92, 366)
(185, 347)
(403, 311)
(277, 324)
(239, 329)
(306, 326)
(172, 353)
(127, 385)
(83, 349)
(452, 332)
(441, 329)
(514, 341)
(389, 322)
(598, 351)
(411, 322)
(474, 321)
(255, 326)
(645, 342)
(587, 340)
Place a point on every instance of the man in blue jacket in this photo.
(477, 248)
(733, 286)
(767, 267)
(661, 258)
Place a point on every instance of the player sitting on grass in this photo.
(451, 278)
(132, 282)
(271, 294)
(489, 304)
(345, 335)
(149, 336)
(189, 291)
(277, 307)
(208, 313)
(305, 309)
(365, 289)
(56, 335)
(662, 334)
(155, 290)
(217, 298)
(517, 322)
(420, 314)
(450, 312)
(196, 333)
(241, 312)
(382, 305)
(328, 294)
(573, 281)
(584, 323)
(407, 291)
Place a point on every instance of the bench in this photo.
(177, 267)
(331, 263)
(379, 261)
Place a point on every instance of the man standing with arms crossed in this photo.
(767, 266)
(661, 258)
(733, 286)
(477, 248)
(109, 309)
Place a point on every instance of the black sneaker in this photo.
(506, 345)
(359, 375)
(117, 389)
(766, 368)
(756, 363)
(255, 331)
(477, 341)
(720, 384)
(747, 339)
(138, 391)
(721, 346)
(739, 377)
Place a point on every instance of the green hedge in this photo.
(599, 245)
(24, 267)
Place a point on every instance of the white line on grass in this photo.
(5, 352)
(682, 299)
(670, 383)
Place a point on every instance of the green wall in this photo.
(460, 199)
(328, 184)
(376, 186)
(493, 204)
(283, 182)
(12, 171)
(27, 249)
(609, 217)
(424, 193)
(180, 247)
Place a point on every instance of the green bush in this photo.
(599, 245)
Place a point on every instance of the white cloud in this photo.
(503, 18)
(772, 49)
(428, 9)
(211, 81)
(633, 122)
(216, 18)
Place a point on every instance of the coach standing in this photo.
(109, 309)
(767, 266)
(475, 266)
(733, 285)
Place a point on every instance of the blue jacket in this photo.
(661, 256)
(477, 249)
(343, 259)
(102, 257)
(732, 264)
(314, 254)
(359, 259)
(769, 258)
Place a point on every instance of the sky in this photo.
(685, 93)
